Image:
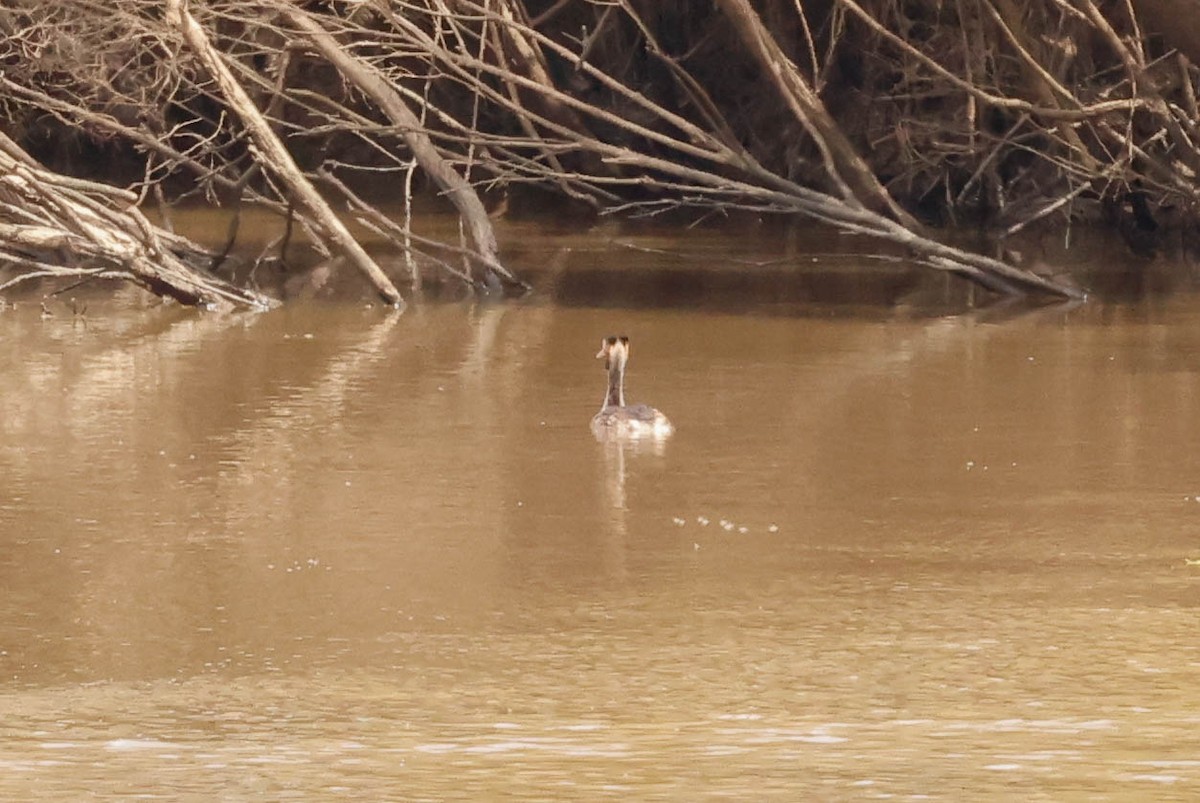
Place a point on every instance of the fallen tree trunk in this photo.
(845, 168)
(276, 156)
(54, 226)
(470, 209)
(879, 117)
(718, 174)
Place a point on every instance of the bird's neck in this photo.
(616, 382)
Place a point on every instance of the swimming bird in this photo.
(616, 417)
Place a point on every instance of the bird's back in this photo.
(632, 419)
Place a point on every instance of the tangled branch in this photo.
(875, 116)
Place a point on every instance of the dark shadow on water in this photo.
(732, 290)
(738, 268)
(799, 291)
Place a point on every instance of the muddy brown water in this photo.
(333, 553)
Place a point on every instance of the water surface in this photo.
(334, 553)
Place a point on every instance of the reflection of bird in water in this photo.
(615, 417)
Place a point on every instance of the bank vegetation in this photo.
(900, 120)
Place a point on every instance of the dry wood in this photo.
(276, 156)
(846, 169)
(1050, 93)
(58, 226)
(983, 110)
(460, 193)
(773, 193)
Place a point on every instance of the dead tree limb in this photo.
(726, 176)
(456, 188)
(1049, 91)
(987, 111)
(276, 156)
(845, 167)
(57, 226)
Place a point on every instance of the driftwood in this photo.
(845, 168)
(460, 193)
(275, 155)
(714, 172)
(54, 226)
(875, 116)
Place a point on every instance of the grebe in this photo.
(615, 417)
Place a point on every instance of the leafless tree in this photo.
(857, 113)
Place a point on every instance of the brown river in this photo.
(334, 553)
